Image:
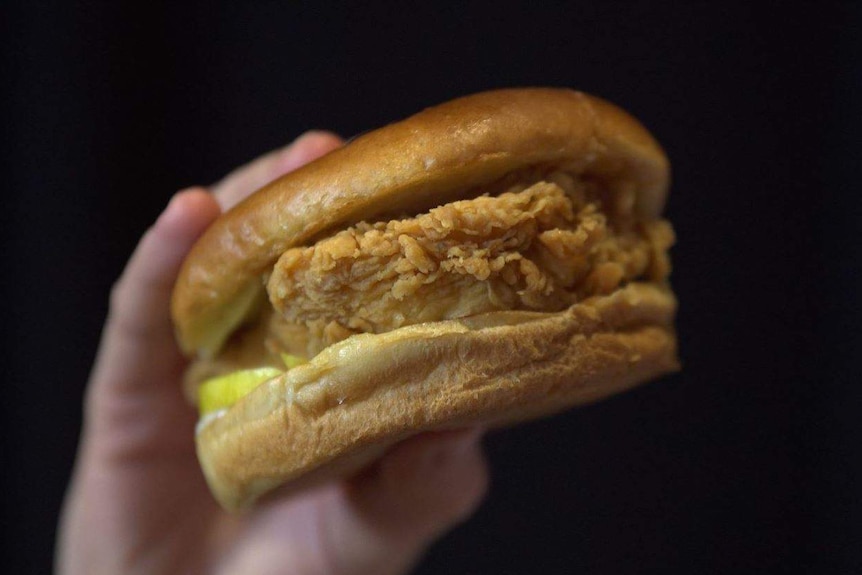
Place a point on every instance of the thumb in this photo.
(395, 510)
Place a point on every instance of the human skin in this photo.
(138, 503)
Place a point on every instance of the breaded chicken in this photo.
(541, 248)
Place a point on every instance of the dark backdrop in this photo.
(745, 461)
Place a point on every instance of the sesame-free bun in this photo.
(358, 397)
(333, 415)
(433, 157)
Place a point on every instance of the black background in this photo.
(746, 461)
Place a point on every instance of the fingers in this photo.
(138, 341)
(139, 328)
(138, 350)
(421, 489)
(238, 184)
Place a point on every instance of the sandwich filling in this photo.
(542, 246)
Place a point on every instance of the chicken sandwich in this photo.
(496, 258)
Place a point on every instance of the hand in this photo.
(138, 503)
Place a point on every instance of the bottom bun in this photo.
(345, 408)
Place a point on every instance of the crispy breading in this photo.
(541, 248)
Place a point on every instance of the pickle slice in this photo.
(225, 390)
(292, 361)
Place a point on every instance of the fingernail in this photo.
(298, 153)
(167, 213)
(293, 146)
(315, 133)
(289, 158)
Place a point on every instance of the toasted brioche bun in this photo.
(351, 402)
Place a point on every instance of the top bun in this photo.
(438, 155)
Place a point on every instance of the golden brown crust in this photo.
(418, 163)
(332, 416)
